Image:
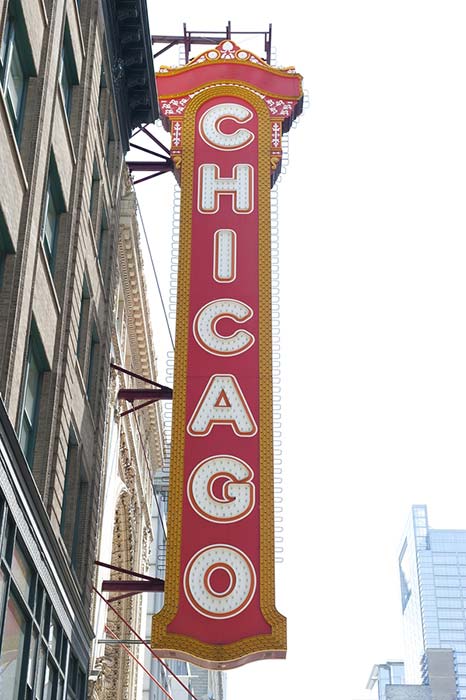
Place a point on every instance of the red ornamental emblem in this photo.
(226, 110)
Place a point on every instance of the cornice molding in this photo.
(139, 325)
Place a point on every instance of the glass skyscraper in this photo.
(389, 673)
(433, 596)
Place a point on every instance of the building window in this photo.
(73, 516)
(93, 364)
(21, 570)
(83, 325)
(68, 503)
(94, 195)
(121, 321)
(77, 544)
(65, 82)
(110, 141)
(404, 576)
(35, 653)
(103, 98)
(68, 73)
(2, 263)
(6, 246)
(54, 206)
(13, 75)
(103, 238)
(31, 404)
(35, 368)
(76, 680)
(111, 149)
(51, 219)
(88, 344)
(11, 657)
(96, 206)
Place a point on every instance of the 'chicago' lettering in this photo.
(222, 403)
(205, 327)
(209, 127)
(236, 498)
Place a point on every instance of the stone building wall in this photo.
(62, 181)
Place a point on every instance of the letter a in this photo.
(232, 408)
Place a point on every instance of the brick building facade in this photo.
(75, 77)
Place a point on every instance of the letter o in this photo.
(238, 593)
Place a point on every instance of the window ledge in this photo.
(44, 12)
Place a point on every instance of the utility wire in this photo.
(151, 651)
(154, 490)
(155, 273)
(135, 658)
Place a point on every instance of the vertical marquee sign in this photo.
(227, 110)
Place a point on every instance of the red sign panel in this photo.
(226, 110)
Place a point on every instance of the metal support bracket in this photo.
(149, 584)
(149, 396)
(191, 38)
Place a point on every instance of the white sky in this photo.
(373, 308)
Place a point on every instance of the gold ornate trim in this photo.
(213, 57)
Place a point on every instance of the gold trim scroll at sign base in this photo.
(262, 646)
